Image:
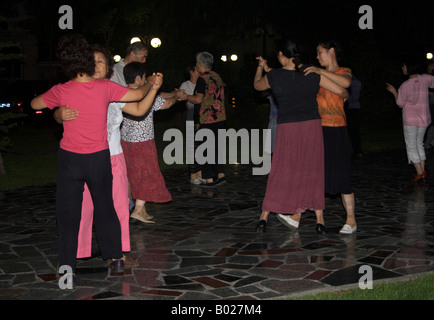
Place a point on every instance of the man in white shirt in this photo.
(135, 52)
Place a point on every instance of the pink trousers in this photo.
(121, 204)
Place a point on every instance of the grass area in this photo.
(33, 158)
(419, 288)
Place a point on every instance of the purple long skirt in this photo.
(296, 179)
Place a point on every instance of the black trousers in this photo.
(210, 170)
(353, 123)
(73, 171)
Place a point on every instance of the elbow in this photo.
(257, 87)
(346, 95)
(35, 104)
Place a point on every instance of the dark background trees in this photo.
(249, 28)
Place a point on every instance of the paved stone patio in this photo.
(203, 245)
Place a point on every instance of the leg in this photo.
(85, 234)
(107, 225)
(140, 212)
(69, 197)
(264, 215)
(320, 217)
(120, 197)
(349, 205)
(410, 136)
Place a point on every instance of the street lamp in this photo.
(135, 39)
(155, 42)
(117, 58)
(224, 58)
(429, 55)
(234, 57)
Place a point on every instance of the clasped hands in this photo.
(263, 64)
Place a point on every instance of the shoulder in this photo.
(116, 105)
(343, 70)
(119, 65)
(426, 77)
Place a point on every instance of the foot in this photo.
(195, 181)
(117, 265)
(147, 215)
(261, 227)
(320, 228)
(347, 229)
(288, 221)
(139, 216)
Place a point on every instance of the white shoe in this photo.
(195, 181)
(201, 180)
(288, 221)
(347, 229)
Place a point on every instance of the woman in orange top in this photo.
(336, 144)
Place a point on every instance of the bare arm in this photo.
(140, 108)
(178, 95)
(140, 92)
(196, 99)
(65, 114)
(343, 80)
(393, 90)
(332, 86)
(260, 82)
(38, 103)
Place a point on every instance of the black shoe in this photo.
(320, 228)
(261, 226)
(215, 183)
(117, 266)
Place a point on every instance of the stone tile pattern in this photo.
(203, 245)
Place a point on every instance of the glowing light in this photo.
(117, 58)
(429, 55)
(224, 58)
(234, 57)
(155, 42)
(135, 39)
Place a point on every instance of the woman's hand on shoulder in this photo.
(312, 69)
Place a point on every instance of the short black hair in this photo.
(75, 56)
(190, 67)
(132, 70)
(414, 66)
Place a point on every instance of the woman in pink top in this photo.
(413, 98)
(84, 155)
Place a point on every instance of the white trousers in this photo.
(414, 143)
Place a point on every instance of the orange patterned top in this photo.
(331, 106)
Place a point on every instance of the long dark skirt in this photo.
(337, 160)
(296, 179)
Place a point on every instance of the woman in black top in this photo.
(296, 179)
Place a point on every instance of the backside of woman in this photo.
(296, 179)
(84, 155)
(413, 98)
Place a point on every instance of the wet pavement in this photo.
(203, 245)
